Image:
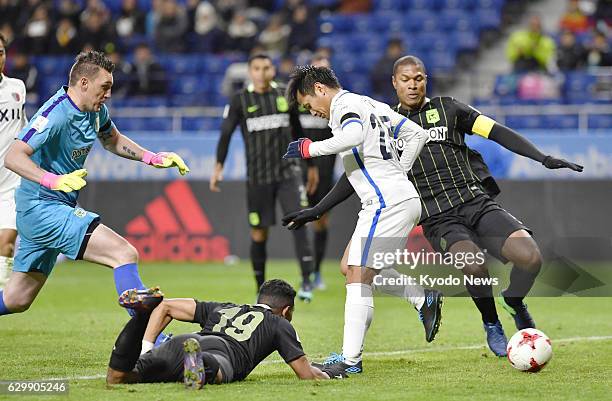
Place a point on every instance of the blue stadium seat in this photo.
(560, 121)
(441, 61)
(458, 4)
(392, 5)
(465, 41)
(600, 121)
(201, 124)
(495, 5)
(415, 19)
(423, 4)
(524, 122)
(457, 20)
(488, 19)
(358, 83)
(434, 41)
(339, 23)
(180, 64)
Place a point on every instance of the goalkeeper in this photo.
(49, 154)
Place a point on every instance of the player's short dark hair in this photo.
(303, 79)
(276, 293)
(3, 39)
(411, 60)
(87, 64)
(258, 56)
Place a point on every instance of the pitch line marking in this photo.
(386, 353)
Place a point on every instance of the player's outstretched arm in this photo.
(305, 371)
(338, 194)
(18, 160)
(182, 309)
(518, 144)
(123, 146)
(413, 136)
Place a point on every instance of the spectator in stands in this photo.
(96, 32)
(379, 75)
(123, 76)
(603, 13)
(37, 30)
(98, 8)
(6, 29)
(208, 37)
(171, 27)
(26, 9)
(285, 68)
(531, 49)
(574, 19)
(9, 10)
(70, 9)
(304, 29)
(274, 36)
(149, 76)
(598, 52)
(570, 54)
(131, 20)
(242, 33)
(23, 70)
(354, 6)
(237, 74)
(65, 40)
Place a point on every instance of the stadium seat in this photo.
(489, 19)
(600, 121)
(457, 20)
(524, 121)
(458, 4)
(560, 121)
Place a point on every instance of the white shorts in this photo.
(382, 231)
(8, 215)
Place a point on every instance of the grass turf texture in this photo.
(71, 328)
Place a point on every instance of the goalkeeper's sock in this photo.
(320, 243)
(6, 267)
(303, 250)
(258, 260)
(358, 314)
(126, 278)
(3, 309)
(521, 282)
(414, 294)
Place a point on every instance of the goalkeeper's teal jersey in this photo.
(61, 136)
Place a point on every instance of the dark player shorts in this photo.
(480, 220)
(326, 178)
(261, 200)
(165, 363)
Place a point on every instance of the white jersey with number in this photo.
(12, 120)
(364, 135)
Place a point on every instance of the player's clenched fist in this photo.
(298, 149)
(165, 160)
(66, 182)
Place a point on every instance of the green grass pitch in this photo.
(70, 330)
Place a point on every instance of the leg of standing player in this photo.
(261, 203)
(320, 244)
(292, 196)
(259, 236)
(8, 235)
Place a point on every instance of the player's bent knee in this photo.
(530, 260)
(18, 303)
(476, 270)
(127, 254)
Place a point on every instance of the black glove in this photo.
(552, 163)
(297, 219)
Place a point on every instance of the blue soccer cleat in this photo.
(496, 338)
(430, 313)
(141, 300)
(318, 282)
(305, 293)
(520, 314)
(194, 375)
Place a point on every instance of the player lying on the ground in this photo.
(49, 155)
(233, 339)
(459, 216)
(362, 129)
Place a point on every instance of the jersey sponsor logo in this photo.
(281, 104)
(432, 116)
(437, 134)
(8, 115)
(78, 212)
(16, 96)
(226, 111)
(40, 123)
(253, 108)
(272, 121)
(97, 124)
(81, 152)
(309, 121)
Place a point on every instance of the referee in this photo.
(317, 129)
(267, 128)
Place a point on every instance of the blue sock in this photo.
(3, 308)
(126, 278)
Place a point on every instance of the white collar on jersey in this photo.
(264, 306)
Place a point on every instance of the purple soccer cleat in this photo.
(141, 300)
(194, 375)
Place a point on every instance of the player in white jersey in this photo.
(12, 120)
(363, 130)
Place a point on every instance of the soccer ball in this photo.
(529, 350)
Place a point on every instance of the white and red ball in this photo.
(529, 350)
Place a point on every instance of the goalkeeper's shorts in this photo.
(45, 231)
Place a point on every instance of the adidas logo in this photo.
(174, 227)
